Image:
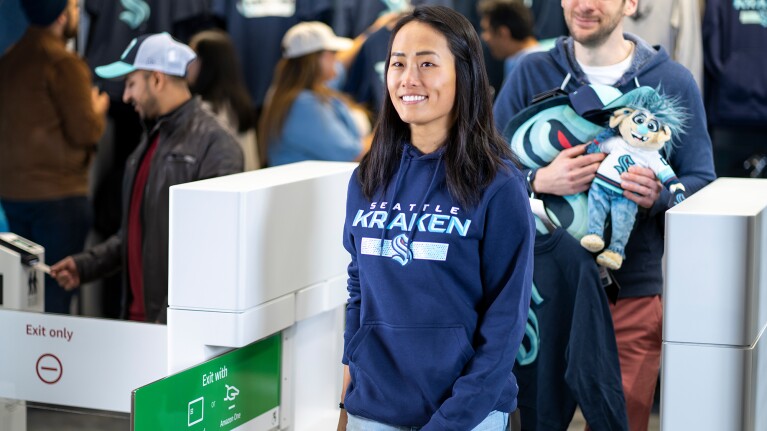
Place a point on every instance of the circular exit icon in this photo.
(49, 369)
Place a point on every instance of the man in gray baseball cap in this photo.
(147, 62)
(182, 142)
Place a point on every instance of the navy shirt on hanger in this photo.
(569, 355)
(549, 19)
(365, 80)
(113, 24)
(12, 24)
(355, 16)
(257, 28)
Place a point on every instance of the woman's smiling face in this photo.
(421, 77)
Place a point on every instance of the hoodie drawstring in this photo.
(400, 173)
(403, 168)
(411, 233)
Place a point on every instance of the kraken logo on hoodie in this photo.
(136, 13)
(396, 5)
(402, 249)
(751, 11)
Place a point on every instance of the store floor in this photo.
(52, 418)
(45, 417)
(578, 423)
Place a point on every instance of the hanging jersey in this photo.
(355, 16)
(569, 355)
(113, 24)
(549, 19)
(365, 81)
(257, 28)
(12, 24)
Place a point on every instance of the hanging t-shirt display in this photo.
(113, 24)
(735, 91)
(674, 25)
(569, 355)
(257, 28)
(356, 16)
(735, 34)
(12, 24)
(365, 80)
(549, 19)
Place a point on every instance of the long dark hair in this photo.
(220, 80)
(474, 150)
(291, 77)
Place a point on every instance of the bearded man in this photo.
(598, 51)
(50, 121)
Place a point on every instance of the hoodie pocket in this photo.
(405, 372)
(356, 340)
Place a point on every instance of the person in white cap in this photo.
(182, 142)
(51, 119)
(303, 118)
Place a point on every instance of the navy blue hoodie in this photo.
(570, 356)
(438, 297)
(734, 39)
(691, 157)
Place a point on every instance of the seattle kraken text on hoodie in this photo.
(438, 297)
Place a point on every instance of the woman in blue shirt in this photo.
(303, 118)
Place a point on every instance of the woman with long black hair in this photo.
(440, 234)
(215, 76)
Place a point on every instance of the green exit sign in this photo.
(221, 394)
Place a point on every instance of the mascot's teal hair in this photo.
(668, 110)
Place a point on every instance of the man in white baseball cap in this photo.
(182, 142)
(155, 56)
(158, 52)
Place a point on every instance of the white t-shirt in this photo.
(607, 75)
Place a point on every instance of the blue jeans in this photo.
(603, 201)
(60, 226)
(495, 421)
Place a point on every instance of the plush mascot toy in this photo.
(637, 131)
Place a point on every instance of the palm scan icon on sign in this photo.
(195, 412)
(231, 393)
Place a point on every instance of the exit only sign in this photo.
(221, 394)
